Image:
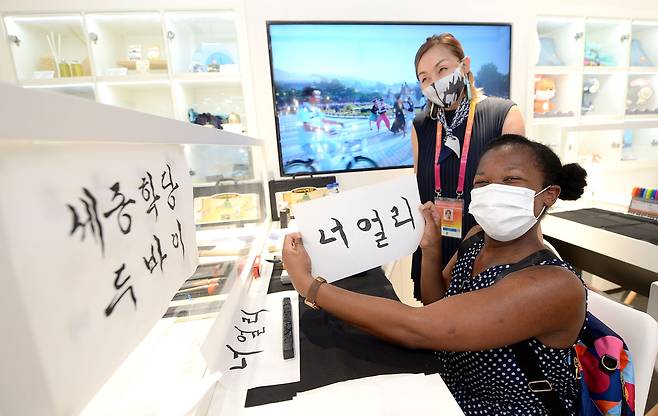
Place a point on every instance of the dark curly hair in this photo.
(571, 178)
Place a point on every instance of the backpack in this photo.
(602, 361)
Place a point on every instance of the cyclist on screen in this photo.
(312, 118)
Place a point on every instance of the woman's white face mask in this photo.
(445, 91)
(504, 212)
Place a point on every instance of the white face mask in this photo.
(544, 95)
(445, 91)
(504, 212)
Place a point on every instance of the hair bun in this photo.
(572, 180)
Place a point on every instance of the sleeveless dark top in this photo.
(491, 382)
(490, 115)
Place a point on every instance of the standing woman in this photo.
(381, 110)
(464, 120)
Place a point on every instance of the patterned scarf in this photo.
(450, 140)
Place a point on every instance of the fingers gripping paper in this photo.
(362, 228)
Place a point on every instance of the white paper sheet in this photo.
(86, 244)
(355, 248)
(387, 395)
(263, 363)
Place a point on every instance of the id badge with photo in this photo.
(451, 211)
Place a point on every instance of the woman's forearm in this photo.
(432, 285)
(386, 319)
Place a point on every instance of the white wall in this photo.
(256, 12)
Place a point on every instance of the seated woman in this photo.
(471, 316)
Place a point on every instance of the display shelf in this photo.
(560, 42)
(604, 70)
(34, 58)
(643, 70)
(601, 95)
(641, 95)
(84, 90)
(607, 42)
(147, 97)
(132, 41)
(132, 58)
(218, 98)
(202, 42)
(208, 77)
(213, 164)
(599, 146)
(57, 82)
(554, 96)
(644, 44)
(558, 70)
(136, 79)
(640, 144)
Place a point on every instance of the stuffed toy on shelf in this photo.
(591, 88)
(544, 93)
(639, 97)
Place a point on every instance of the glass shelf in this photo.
(606, 43)
(560, 42)
(642, 95)
(203, 42)
(85, 91)
(147, 97)
(598, 147)
(33, 56)
(640, 144)
(644, 44)
(127, 44)
(562, 102)
(601, 95)
(224, 99)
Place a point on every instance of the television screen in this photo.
(345, 94)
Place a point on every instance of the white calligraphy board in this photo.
(343, 233)
(76, 301)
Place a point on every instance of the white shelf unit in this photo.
(607, 43)
(153, 97)
(565, 103)
(120, 40)
(641, 97)
(619, 57)
(32, 53)
(560, 43)
(607, 101)
(209, 96)
(108, 46)
(640, 144)
(644, 45)
(201, 38)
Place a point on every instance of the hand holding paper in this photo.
(357, 230)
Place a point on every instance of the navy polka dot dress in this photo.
(490, 382)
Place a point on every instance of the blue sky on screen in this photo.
(374, 51)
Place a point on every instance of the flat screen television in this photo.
(325, 76)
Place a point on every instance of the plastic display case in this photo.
(127, 44)
(203, 42)
(642, 95)
(601, 95)
(230, 210)
(49, 48)
(159, 62)
(560, 42)
(553, 95)
(147, 97)
(607, 43)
